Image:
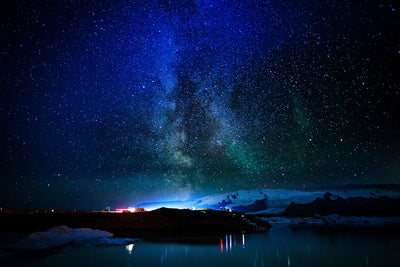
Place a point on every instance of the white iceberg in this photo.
(60, 236)
(334, 219)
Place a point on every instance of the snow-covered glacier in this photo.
(262, 201)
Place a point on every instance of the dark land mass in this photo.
(352, 206)
(158, 222)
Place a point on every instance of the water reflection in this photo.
(278, 247)
(282, 247)
(230, 241)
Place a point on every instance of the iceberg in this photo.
(59, 236)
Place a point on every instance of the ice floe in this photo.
(335, 220)
(60, 236)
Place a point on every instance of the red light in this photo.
(120, 210)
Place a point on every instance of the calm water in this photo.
(281, 246)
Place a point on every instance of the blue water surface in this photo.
(281, 246)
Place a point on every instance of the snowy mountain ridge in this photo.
(271, 201)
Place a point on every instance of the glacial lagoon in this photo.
(281, 246)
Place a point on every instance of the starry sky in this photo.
(113, 103)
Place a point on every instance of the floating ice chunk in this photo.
(335, 220)
(62, 235)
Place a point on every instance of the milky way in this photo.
(114, 103)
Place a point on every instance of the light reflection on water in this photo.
(281, 246)
(229, 243)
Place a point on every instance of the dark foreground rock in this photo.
(352, 206)
(158, 222)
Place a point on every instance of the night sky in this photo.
(113, 103)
